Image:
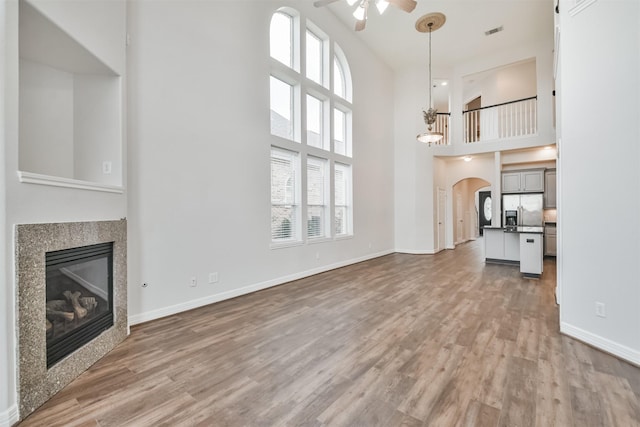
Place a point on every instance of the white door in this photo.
(442, 203)
(459, 219)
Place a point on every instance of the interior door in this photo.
(459, 219)
(484, 209)
(442, 203)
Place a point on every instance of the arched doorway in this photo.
(466, 224)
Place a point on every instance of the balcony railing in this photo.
(442, 125)
(500, 121)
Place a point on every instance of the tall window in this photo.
(285, 204)
(310, 100)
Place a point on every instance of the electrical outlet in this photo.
(106, 167)
(600, 312)
(213, 277)
(194, 282)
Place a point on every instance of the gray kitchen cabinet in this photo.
(550, 189)
(550, 240)
(525, 181)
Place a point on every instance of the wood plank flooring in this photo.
(401, 340)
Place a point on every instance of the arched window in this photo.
(281, 38)
(341, 75)
(312, 73)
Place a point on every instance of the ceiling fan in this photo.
(363, 8)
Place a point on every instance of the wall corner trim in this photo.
(623, 352)
(9, 417)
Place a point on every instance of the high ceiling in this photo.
(394, 39)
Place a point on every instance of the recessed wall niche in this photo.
(70, 117)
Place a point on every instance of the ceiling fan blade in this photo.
(406, 5)
(361, 24)
(321, 3)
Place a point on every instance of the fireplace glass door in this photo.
(79, 293)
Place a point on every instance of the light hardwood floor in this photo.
(401, 340)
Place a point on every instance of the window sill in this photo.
(344, 237)
(56, 181)
(289, 244)
(315, 240)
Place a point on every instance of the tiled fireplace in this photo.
(72, 302)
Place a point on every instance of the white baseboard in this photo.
(604, 344)
(210, 299)
(416, 251)
(9, 417)
(90, 286)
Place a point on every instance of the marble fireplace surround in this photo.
(36, 383)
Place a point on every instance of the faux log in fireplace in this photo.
(79, 297)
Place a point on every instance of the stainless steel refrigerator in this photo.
(528, 206)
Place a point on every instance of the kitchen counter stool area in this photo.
(521, 246)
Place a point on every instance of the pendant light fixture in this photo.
(429, 23)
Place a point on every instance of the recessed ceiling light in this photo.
(444, 83)
(467, 158)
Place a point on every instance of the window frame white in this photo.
(296, 203)
(324, 184)
(308, 152)
(348, 195)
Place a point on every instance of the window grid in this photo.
(314, 112)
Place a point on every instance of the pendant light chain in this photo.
(430, 78)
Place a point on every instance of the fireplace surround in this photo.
(38, 382)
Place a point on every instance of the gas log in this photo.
(73, 298)
(58, 310)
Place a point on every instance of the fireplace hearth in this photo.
(72, 302)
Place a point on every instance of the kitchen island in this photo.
(520, 245)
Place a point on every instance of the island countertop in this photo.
(518, 229)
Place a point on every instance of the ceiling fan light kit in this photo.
(428, 24)
(361, 11)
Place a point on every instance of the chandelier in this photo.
(429, 23)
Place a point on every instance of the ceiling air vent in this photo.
(494, 30)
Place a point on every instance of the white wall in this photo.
(600, 178)
(99, 26)
(504, 84)
(199, 155)
(8, 407)
(97, 128)
(46, 120)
